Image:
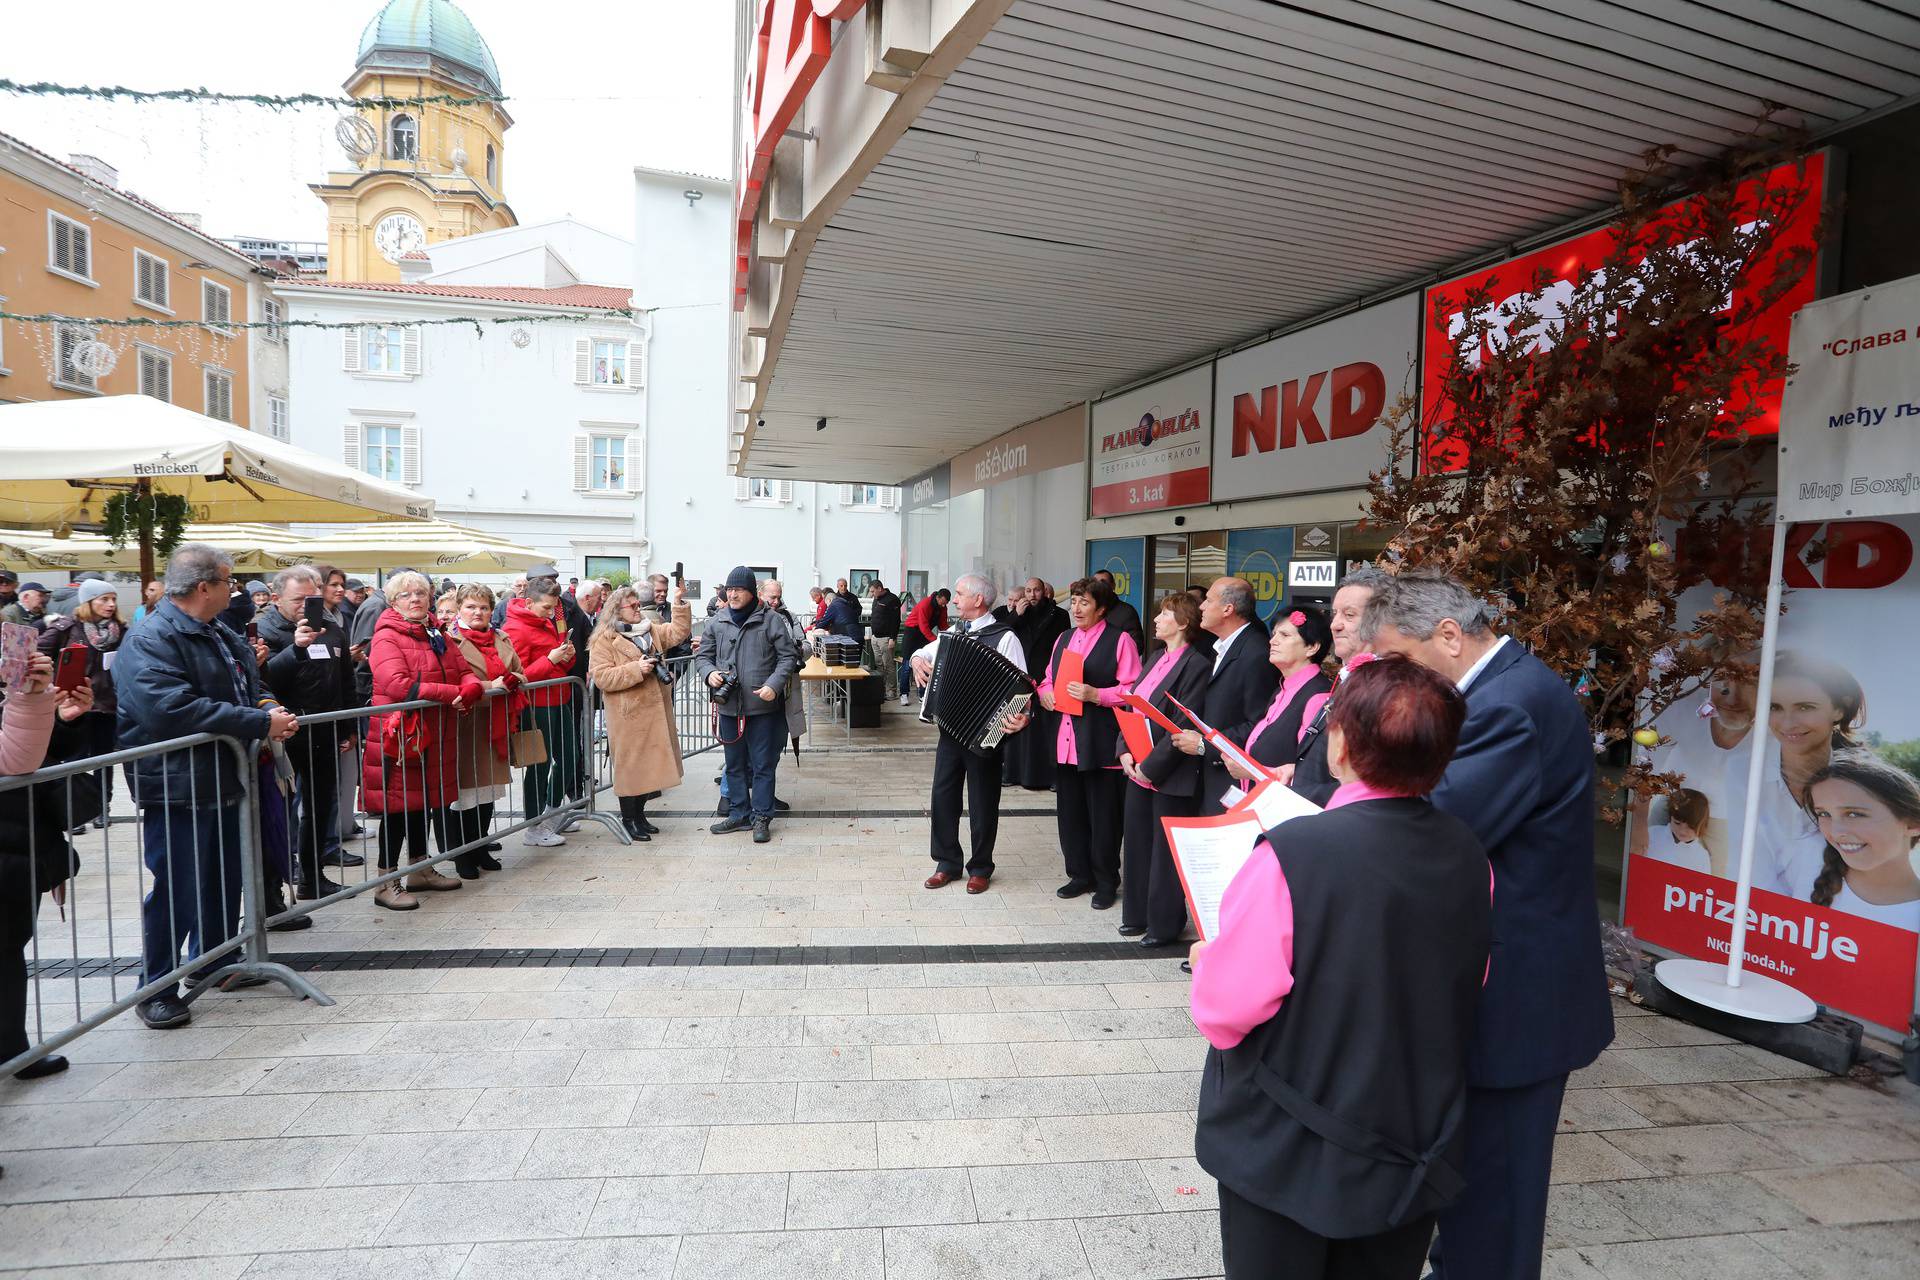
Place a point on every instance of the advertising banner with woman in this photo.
(1835, 910)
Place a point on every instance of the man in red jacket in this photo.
(927, 619)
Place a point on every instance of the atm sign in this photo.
(1313, 575)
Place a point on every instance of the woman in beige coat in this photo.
(625, 662)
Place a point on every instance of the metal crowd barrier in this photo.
(288, 819)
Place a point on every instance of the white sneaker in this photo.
(906, 700)
(542, 838)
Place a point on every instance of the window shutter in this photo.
(582, 462)
(156, 376)
(582, 361)
(213, 304)
(742, 489)
(71, 247)
(350, 446)
(350, 350)
(786, 491)
(410, 454)
(889, 498)
(410, 357)
(636, 365)
(846, 495)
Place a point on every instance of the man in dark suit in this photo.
(1309, 775)
(1122, 615)
(1240, 688)
(1522, 779)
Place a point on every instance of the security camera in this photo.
(820, 425)
(759, 422)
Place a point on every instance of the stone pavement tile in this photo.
(1080, 971)
(695, 1204)
(1695, 1064)
(498, 1070)
(733, 1032)
(1663, 1030)
(1875, 1251)
(1085, 1058)
(491, 980)
(201, 1079)
(1608, 1071)
(1583, 1214)
(1846, 1193)
(1588, 1110)
(295, 1040)
(1049, 999)
(342, 1074)
(941, 999)
(408, 1262)
(715, 1104)
(1588, 1157)
(1568, 1264)
(801, 1001)
(630, 1258)
(556, 1107)
(1702, 1148)
(874, 1100)
(1151, 995)
(613, 1153)
(1029, 1096)
(1151, 1091)
(867, 976)
(390, 1111)
(988, 1251)
(941, 1061)
(1180, 1184)
(879, 1198)
(933, 1144)
(78, 1173)
(983, 977)
(1816, 1099)
(1775, 1065)
(610, 978)
(781, 1148)
(1129, 1024)
(596, 1033)
(1839, 1141)
(92, 1231)
(673, 1002)
(1001, 1028)
(808, 1063)
(431, 1006)
(1006, 1193)
(1675, 1104)
(406, 1158)
(1159, 1246)
(75, 1081)
(442, 1212)
(870, 1029)
(138, 1044)
(206, 1119)
(450, 1037)
(248, 1164)
(1689, 1259)
(532, 1005)
(285, 1221)
(226, 1268)
(1188, 1053)
(649, 1066)
(1701, 1204)
(70, 1124)
(740, 977)
(789, 1255)
(1144, 1136)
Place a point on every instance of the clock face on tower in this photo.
(397, 235)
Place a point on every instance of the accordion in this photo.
(973, 688)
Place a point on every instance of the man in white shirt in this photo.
(1242, 684)
(956, 767)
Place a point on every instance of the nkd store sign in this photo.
(1302, 413)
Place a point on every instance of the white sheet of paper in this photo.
(1228, 751)
(1210, 857)
(319, 651)
(1274, 803)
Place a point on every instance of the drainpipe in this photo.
(813, 536)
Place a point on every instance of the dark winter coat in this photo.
(176, 676)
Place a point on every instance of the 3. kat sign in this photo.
(1150, 445)
(791, 44)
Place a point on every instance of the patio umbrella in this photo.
(255, 548)
(63, 459)
(436, 545)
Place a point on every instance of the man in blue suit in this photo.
(1522, 779)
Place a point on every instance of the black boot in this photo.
(632, 817)
(640, 815)
(483, 856)
(467, 865)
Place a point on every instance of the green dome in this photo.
(435, 27)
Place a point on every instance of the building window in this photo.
(219, 394)
(759, 490)
(3, 341)
(156, 374)
(216, 306)
(273, 313)
(609, 364)
(67, 371)
(386, 348)
(493, 168)
(152, 282)
(404, 135)
(381, 350)
(69, 248)
(612, 363)
(869, 497)
(385, 452)
(605, 567)
(608, 473)
(277, 424)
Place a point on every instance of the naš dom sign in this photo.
(790, 47)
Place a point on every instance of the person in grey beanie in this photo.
(746, 660)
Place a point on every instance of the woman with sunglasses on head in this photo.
(627, 654)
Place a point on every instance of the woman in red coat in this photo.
(411, 773)
(537, 629)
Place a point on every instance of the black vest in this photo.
(1310, 775)
(1279, 743)
(1096, 733)
(1344, 1110)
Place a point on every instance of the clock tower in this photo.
(422, 171)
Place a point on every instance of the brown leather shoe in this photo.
(976, 884)
(940, 879)
(428, 878)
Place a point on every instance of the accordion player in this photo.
(972, 691)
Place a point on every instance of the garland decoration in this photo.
(165, 514)
(273, 101)
(585, 315)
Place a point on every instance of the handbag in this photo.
(526, 747)
(404, 736)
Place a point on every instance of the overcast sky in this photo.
(593, 88)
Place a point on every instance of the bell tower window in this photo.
(404, 138)
(493, 168)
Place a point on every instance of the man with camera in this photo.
(746, 662)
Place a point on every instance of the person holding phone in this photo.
(537, 629)
(92, 633)
(628, 656)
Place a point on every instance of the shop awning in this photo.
(433, 547)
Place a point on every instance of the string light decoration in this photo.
(273, 101)
(196, 327)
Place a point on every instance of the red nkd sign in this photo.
(1861, 966)
(1290, 413)
(1513, 280)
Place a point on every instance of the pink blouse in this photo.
(1126, 670)
(1242, 975)
(1162, 668)
(1281, 698)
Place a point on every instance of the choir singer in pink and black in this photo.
(1339, 996)
(1088, 784)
